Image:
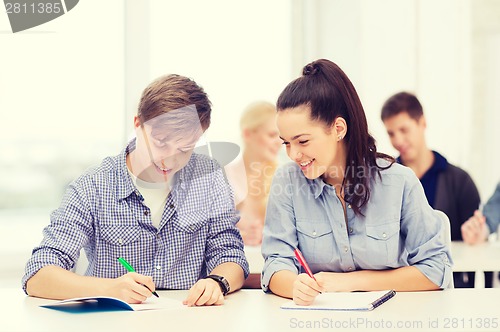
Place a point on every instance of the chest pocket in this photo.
(315, 241)
(382, 244)
(121, 241)
(120, 235)
(191, 222)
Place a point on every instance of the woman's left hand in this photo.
(334, 281)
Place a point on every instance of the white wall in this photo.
(238, 51)
(61, 101)
(375, 48)
(62, 110)
(444, 76)
(485, 55)
(425, 47)
(64, 80)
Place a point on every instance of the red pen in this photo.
(303, 262)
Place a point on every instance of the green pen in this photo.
(131, 269)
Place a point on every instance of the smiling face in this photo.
(315, 147)
(407, 135)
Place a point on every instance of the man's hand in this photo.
(204, 292)
(475, 230)
(131, 287)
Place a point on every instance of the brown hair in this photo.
(329, 93)
(171, 92)
(402, 102)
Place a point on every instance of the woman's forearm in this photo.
(404, 279)
(281, 283)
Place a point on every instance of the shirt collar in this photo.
(124, 185)
(317, 185)
(440, 163)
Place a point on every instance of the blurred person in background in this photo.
(250, 175)
(478, 227)
(447, 187)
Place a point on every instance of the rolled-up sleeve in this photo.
(280, 234)
(69, 230)
(224, 242)
(423, 228)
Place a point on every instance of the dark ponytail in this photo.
(329, 93)
(310, 69)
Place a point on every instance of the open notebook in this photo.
(361, 301)
(104, 303)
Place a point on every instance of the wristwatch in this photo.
(223, 284)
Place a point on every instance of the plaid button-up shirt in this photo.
(104, 213)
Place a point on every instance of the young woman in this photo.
(251, 175)
(361, 221)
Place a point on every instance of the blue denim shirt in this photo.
(398, 228)
(492, 210)
(104, 213)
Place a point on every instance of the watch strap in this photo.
(223, 284)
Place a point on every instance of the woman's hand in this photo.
(305, 289)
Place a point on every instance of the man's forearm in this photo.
(233, 274)
(54, 282)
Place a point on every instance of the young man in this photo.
(448, 188)
(477, 228)
(167, 211)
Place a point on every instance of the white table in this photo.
(478, 258)
(252, 310)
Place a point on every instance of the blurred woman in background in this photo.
(251, 174)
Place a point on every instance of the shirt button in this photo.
(120, 241)
(146, 212)
(349, 206)
(171, 206)
(349, 268)
(346, 249)
(350, 230)
(384, 235)
(314, 233)
(158, 267)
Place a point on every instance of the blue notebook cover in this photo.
(105, 303)
(89, 304)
